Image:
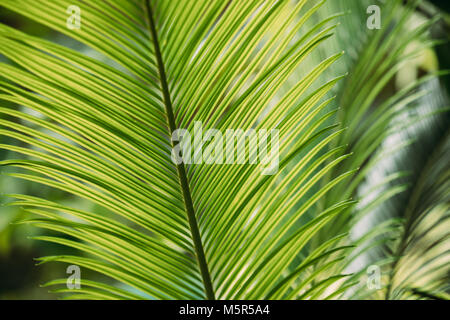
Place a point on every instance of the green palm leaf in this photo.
(102, 132)
(375, 118)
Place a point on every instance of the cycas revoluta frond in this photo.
(103, 133)
(374, 117)
(100, 127)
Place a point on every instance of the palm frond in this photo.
(103, 130)
(375, 117)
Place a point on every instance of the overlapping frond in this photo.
(374, 115)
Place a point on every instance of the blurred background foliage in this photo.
(20, 278)
(413, 171)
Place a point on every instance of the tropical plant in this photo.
(98, 125)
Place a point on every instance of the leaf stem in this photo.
(180, 167)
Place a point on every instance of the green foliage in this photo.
(98, 126)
